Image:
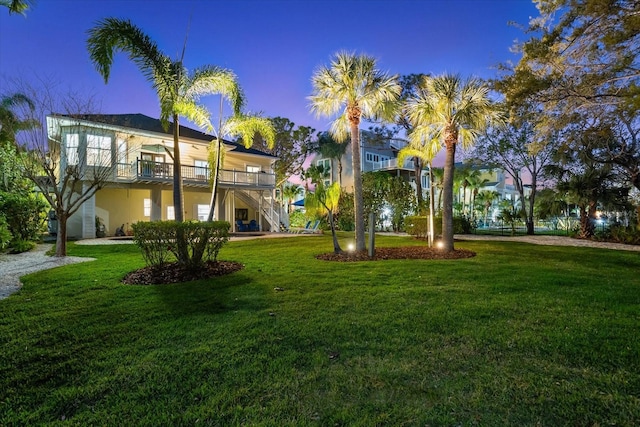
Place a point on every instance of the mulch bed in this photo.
(405, 252)
(175, 273)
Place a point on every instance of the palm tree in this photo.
(289, 193)
(331, 149)
(353, 88)
(245, 126)
(178, 92)
(325, 200)
(449, 112)
(486, 198)
(475, 182)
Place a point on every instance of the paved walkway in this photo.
(12, 267)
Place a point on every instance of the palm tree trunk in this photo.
(417, 168)
(447, 196)
(336, 246)
(214, 189)
(358, 201)
(178, 196)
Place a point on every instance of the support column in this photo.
(88, 215)
(156, 204)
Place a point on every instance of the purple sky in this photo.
(273, 46)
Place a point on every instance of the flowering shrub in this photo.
(191, 243)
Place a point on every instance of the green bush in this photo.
(297, 218)
(190, 243)
(25, 215)
(418, 226)
(18, 246)
(628, 235)
(5, 234)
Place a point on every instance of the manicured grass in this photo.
(518, 335)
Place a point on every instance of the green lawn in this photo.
(518, 335)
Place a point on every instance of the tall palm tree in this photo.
(353, 88)
(450, 111)
(178, 91)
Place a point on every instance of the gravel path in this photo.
(12, 267)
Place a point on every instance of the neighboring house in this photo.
(141, 188)
(382, 155)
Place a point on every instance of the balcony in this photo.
(386, 165)
(144, 171)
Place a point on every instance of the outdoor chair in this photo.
(241, 226)
(253, 225)
(310, 230)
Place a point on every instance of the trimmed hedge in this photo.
(191, 243)
(418, 226)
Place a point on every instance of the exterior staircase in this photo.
(269, 210)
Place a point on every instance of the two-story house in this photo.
(140, 187)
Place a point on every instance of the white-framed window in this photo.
(374, 157)
(326, 167)
(202, 212)
(98, 150)
(72, 144)
(202, 169)
(171, 213)
(147, 207)
(253, 169)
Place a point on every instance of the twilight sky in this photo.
(273, 46)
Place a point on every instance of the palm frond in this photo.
(112, 35)
(210, 80)
(198, 114)
(248, 126)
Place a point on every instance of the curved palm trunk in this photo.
(336, 246)
(354, 120)
(447, 196)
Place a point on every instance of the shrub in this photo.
(25, 215)
(628, 235)
(18, 246)
(297, 218)
(5, 234)
(201, 241)
(417, 226)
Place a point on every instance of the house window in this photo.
(253, 169)
(171, 213)
(375, 158)
(147, 207)
(98, 150)
(202, 169)
(325, 164)
(71, 147)
(203, 212)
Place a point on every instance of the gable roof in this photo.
(149, 124)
